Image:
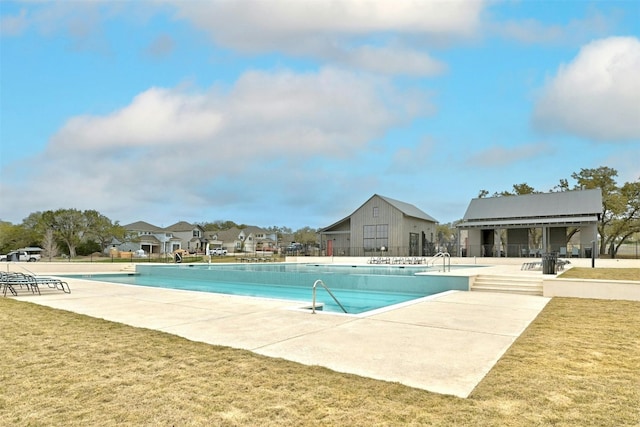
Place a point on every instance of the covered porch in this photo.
(575, 240)
(564, 223)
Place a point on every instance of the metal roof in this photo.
(528, 222)
(560, 207)
(408, 209)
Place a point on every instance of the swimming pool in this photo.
(358, 288)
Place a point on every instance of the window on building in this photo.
(376, 212)
(196, 233)
(376, 237)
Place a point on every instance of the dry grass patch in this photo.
(602, 273)
(577, 364)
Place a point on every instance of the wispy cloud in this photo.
(498, 156)
(161, 47)
(13, 25)
(576, 31)
(412, 159)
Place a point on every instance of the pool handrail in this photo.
(313, 303)
(446, 260)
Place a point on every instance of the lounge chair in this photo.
(561, 263)
(6, 284)
(53, 283)
(10, 281)
(531, 265)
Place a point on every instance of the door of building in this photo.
(414, 244)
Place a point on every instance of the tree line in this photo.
(72, 229)
(74, 232)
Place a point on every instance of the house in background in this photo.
(249, 239)
(381, 225)
(508, 225)
(149, 238)
(191, 236)
(157, 240)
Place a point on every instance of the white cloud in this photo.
(155, 117)
(250, 24)
(351, 33)
(198, 149)
(597, 95)
(347, 32)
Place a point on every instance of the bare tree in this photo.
(49, 246)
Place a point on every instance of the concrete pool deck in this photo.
(445, 343)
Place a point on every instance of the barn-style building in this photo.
(381, 226)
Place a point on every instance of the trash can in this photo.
(549, 262)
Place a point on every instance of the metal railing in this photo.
(313, 303)
(446, 260)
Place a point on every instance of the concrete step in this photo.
(508, 284)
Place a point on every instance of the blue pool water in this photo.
(358, 288)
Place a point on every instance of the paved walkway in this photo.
(445, 344)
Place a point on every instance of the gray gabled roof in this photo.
(182, 226)
(142, 226)
(585, 203)
(408, 209)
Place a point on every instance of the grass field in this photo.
(602, 273)
(577, 364)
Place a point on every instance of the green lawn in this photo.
(577, 364)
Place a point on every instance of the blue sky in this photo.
(295, 113)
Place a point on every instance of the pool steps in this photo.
(508, 284)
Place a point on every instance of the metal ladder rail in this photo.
(434, 258)
(446, 260)
(313, 303)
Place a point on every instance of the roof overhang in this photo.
(530, 222)
(148, 238)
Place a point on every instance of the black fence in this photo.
(629, 251)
